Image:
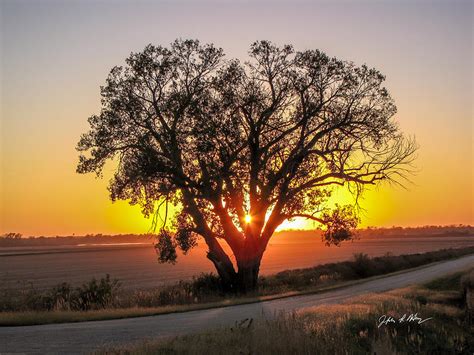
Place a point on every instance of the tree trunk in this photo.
(248, 260)
(225, 270)
(244, 280)
(247, 275)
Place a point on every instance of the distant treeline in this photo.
(74, 240)
(17, 240)
(419, 231)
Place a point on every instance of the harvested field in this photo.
(135, 265)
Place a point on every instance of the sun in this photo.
(248, 218)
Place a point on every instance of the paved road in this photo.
(85, 337)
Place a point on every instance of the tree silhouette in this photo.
(239, 148)
(12, 235)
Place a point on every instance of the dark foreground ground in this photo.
(89, 336)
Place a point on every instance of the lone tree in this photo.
(240, 148)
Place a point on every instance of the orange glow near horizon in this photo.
(49, 88)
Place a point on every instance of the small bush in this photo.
(95, 294)
(61, 297)
(363, 265)
(206, 284)
(202, 288)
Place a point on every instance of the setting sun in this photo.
(248, 218)
(80, 204)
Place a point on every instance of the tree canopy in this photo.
(239, 148)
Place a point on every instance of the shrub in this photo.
(206, 283)
(363, 266)
(95, 294)
(91, 295)
(60, 297)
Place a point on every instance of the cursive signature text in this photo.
(406, 318)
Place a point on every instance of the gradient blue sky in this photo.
(56, 54)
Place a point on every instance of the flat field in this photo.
(136, 266)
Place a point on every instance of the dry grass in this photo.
(63, 316)
(350, 328)
(50, 317)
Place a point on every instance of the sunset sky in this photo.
(56, 54)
